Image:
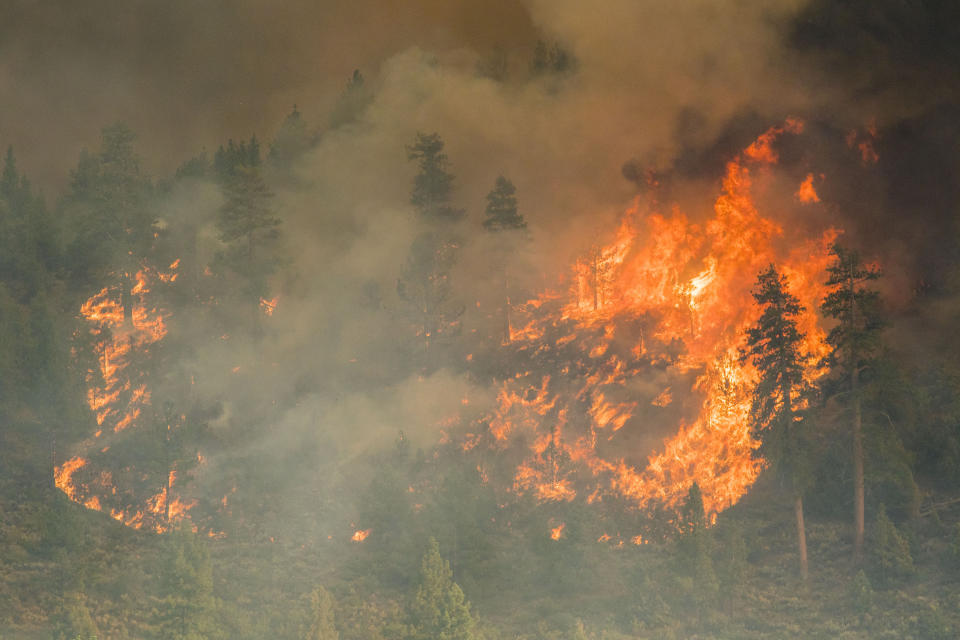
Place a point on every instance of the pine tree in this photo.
(433, 186)
(320, 622)
(249, 231)
(111, 224)
(891, 553)
(774, 347)
(694, 550)
(853, 341)
(189, 603)
(425, 280)
(439, 610)
(504, 220)
(354, 99)
(291, 142)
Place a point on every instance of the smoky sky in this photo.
(188, 75)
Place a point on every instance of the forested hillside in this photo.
(490, 342)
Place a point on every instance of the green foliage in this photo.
(433, 185)
(774, 347)
(75, 620)
(291, 142)
(320, 623)
(891, 552)
(228, 160)
(551, 59)
(856, 336)
(860, 593)
(188, 606)
(731, 561)
(439, 610)
(501, 208)
(110, 220)
(249, 231)
(955, 545)
(694, 548)
(354, 99)
(932, 624)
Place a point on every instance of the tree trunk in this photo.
(801, 537)
(506, 307)
(858, 499)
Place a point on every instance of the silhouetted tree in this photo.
(433, 186)
(774, 346)
(505, 221)
(853, 341)
(354, 99)
(291, 140)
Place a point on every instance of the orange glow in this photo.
(269, 306)
(118, 397)
(360, 535)
(557, 532)
(669, 294)
(806, 193)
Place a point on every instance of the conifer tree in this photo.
(433, 186)
(189, 603)
(505, 221)
(247, 225)
(111, 224)
(853, 341)
(354, 99)
(774, 347)
(291, 141)
(320, 622)
(425, 280)
(439, 610)
(694, 549)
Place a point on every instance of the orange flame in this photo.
(360, 535)
(557, 532)
(669, 293)
(806, 193)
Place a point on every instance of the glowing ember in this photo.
(557, 532)
(360, 535)
(806, 193)
(269, 306)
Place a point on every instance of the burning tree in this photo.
(774, 346)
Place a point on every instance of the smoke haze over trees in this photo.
(359, 319)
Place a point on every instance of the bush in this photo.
(891, 553)
(860, 593)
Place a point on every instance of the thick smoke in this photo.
(664, 87)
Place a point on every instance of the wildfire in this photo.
(269, 306)
(557, 532)
(123, 325)
(806, 193)
(360, 535)
(670, 296)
